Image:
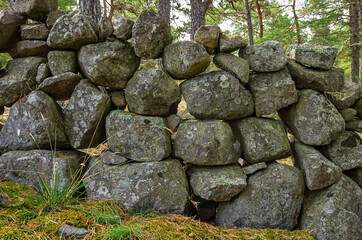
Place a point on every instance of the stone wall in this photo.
(220, 153)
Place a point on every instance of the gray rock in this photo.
(321, 80)
(118, 99)
(72, 31)
(318, 171)
(358, 107)
(60, 87)
(348, 114)
(348, 95)
(217, 184)
(151, 91)
(262, 139)
(172, 122)
(122, 27)
(355, 175)
(69, 232)
(253, 168)
(335, 212)
(217, 95)
(53, 16)
(4, 201)
(18, 79)
(156, 186)
(208, 36)
(313, 120)
(108, 64)
(85, 115)
(9, 28)
(150, 35)
(272, 91)
(105, 28)
(112, 158)
(206, 142)
(231, 43)
(62, 62)
(184, 60)
(233, 64)
(28, 48)
(314, 56)
(35, 9)
(354, 125)
(34, 32)
(42, 73)
(345, 151)
(272, 199)
(268, 56)
(137, 137)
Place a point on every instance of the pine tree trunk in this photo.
(296, 20)
(92, 8)
(260, 18)
(250, 26)
(354, 40)
(198, 12)
(164, 10)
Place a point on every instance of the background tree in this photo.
(92, 8)
(248, 19)
(198, 11)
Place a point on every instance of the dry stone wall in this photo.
(221, 152)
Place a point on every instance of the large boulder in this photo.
(272, 91)
(335, 212)
(206, 142)
(151, 91)
(137, 137)
(225, 183)
(35, 9)
(268, 56)
(262, 139)
(272, 199)
(122, 27)
(28, 48)
(53, 16)
(150, 34)
(18, 79)
(108, 64)
(34, 32)
(184, 60)
(62, 62)
(34, 122)
(217, 95)
(9, 28)
(157, 186)
(208, 36)
(85, 115)
(231, 43)
(313, 120)
(237, 66)
(347, 96)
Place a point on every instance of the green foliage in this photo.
(124, 232)
(4, 58)
(67, 4)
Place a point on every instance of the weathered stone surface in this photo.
(348, 114)
(105, 28)
(62, 62)
(318, 171)
(35, 9)
(18, 79)
(355, 125)
(272, 199)
(345, 151)
(262, 139)
(72, 31)
(9, 28)
(108, 64)
(69, 232)
(60, 87)
(335, 212)
(34, 32)
(118, 99)
(231, 43)
(24, 166)
(217, 95)
(4, 200)
(172, 122)
(345, 98)
(233, 64)
(150, 35)
(151, 91)
(315, 56)
(122, 27)
(272, 91)
(355, 175)
(112, 158)
(320, 80)
(158, 186)
(43, 72)
(313, 120)
(217, 184)
(85, 115)
(267, 56)
(358, 107)
(137, 137)
(53, 17)
(248, 170)
(28, 48)
(184, 60)
(208, 36)
(206, 142)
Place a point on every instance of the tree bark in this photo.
(260, 18)
(111, 11)
(92, 8)
(354, 40)
(164, 10)
(296, 20)
(250, 26)
(11, 5)
(198, 12)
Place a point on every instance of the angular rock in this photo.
(35, 9)
(62, 62)
(34, 32)
(118, 99)
(348, 114)
(272, 91)
(248, 170)
(184, 60)
(313, 120)
(348, 95)
(69, 232)
(208, 36)
(108, 64)
(156, 186)
(28, 48)
(105, 28)
(18, 79)
(172, 122)
(122, 27)
(217, 95)
(345, 151)
(314, 56)
(9, 28)
(225, 183)
(4, 201)
(42, 73)
(335, 212)
(206, 142)
(233, 64)
(60, 87)
(355, 175)
(358, 107)
(231, 43)
(151, 91)
(262, 139)
(137, 137)
(267, 56)
(72, 31)
(272, 199)
(111, 158)
(150, 35)
(354, 125)
(318, 171)
(53, 16)
(85, 115)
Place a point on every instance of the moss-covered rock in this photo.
(208, 36)
(28, 48)
(53, 16)
(105, 28)
(355, 175)
(122, 27)
(34, 32)
(231, 43)
(354, 125)
(358, 107)
(42, 73)
(233, 64)
(35, 9)
(9, 28)
(348, 114)
(118, 99)
(347, 96)
(62, 62)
